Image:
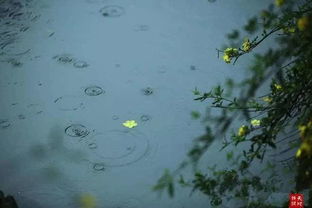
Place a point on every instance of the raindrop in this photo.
(76, 130)
(14, 62)
(192, 67)
(69, 103)
(99, 167)
(115, 117)
(112, 11)
(119, 148)
(4, 123)
(39, 112)
(145, 118)
(81, 64)
(94, 91)
(38, 151)
(132, 203)
(63, 58)
(92, 146)
(21, 116)
(147, 91)
(141, 28)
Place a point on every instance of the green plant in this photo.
(286, 106)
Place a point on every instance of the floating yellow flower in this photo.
(87, 201)
(279, 2)
(242, 131)
(246, 46)
(267, 99)
(130, 124)
(255, 122)
(303, 23)
(278, 86)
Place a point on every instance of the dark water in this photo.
(72, 72)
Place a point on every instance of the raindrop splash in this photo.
(94, 91)
(77, 130)
(112, 11)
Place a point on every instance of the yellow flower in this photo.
(279, 2)
(267, 99)
(298, 153)
(242, 130)
(302, 129)
(231, 52)
(227, 59)
(278, 86)
(246, 46)
(87, 201)
(130, 124)
(303, 23)
(255, 122)
(305, 147)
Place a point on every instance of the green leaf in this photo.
(218, 91)
(195, 114)
(171, 189)
(229, 155)
(233, 35)
(196, 92)
(251, 26)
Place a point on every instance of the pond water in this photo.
(72, 72)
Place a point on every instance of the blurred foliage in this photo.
(287, 105)
(87, 201)
(7, 201)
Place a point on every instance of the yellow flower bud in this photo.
(305, 147)
(298, 154)
(278, 86)
(302, 129)
(242, 131)
(267, 99)
(227, 59)
(246, 46)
